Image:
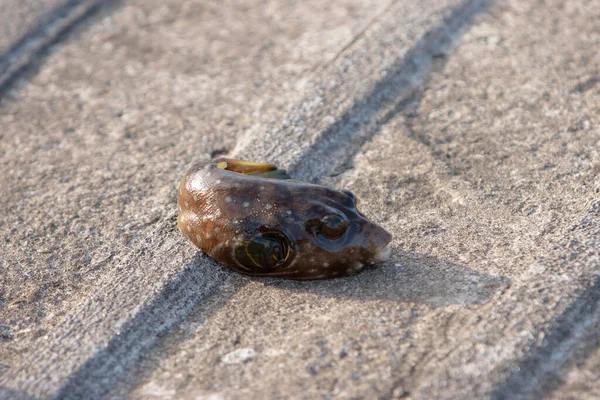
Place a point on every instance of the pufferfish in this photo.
(254, 219)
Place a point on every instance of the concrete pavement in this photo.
(469, 129)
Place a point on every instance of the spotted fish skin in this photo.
(237, 213)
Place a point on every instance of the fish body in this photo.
(255, 220)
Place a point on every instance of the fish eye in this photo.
(265, 251)
(333, 226)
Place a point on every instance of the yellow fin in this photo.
(244, 167)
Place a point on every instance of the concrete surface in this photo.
(469, 129)
(19, 18)
(41, 24)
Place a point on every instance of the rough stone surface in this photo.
(19, 17)
(469, 129)
(580, 379)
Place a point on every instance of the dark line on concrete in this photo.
(51, 29)
(140, 334)
(393, 91)
(541, 372)
(586, 85)
(99, 374)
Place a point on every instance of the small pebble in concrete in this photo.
(239, 356)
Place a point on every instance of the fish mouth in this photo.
(384, 253)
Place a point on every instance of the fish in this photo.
(254, 219)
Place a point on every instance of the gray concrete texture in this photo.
(469, 129)
(20, 17)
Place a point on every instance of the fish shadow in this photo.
(406, 277)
